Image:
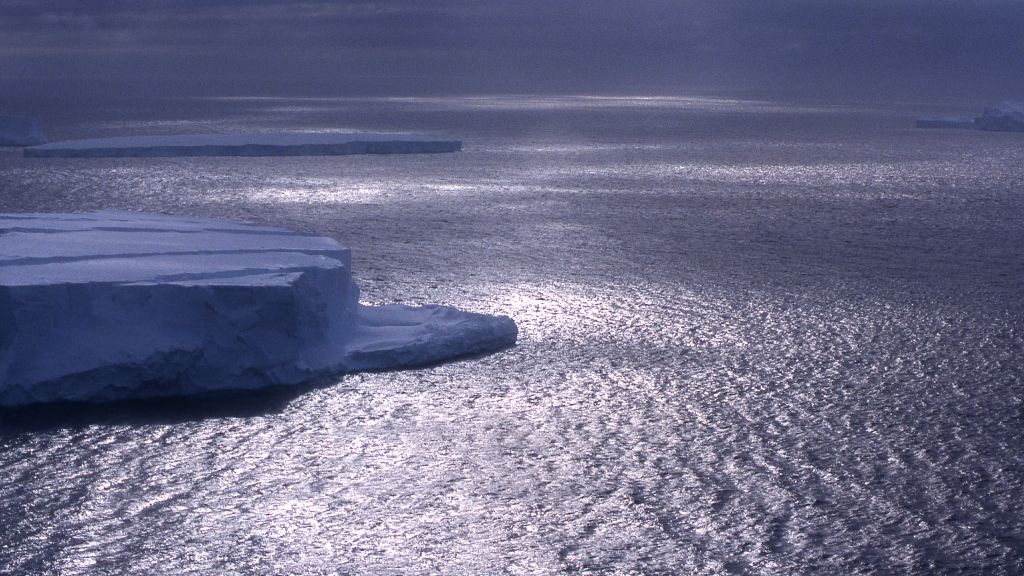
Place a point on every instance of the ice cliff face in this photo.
(255, 144)
(113, 305)
(18, 131)
(1006, 117)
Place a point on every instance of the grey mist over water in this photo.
(756, 337)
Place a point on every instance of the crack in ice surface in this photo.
(84, 317)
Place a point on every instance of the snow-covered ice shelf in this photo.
(20, 131)
(254, 144)
(112, 305)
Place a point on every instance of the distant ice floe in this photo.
(20, 131)
(254, 144)
(112, 305)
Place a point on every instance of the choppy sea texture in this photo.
(755, 338)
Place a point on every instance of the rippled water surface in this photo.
(756, 338)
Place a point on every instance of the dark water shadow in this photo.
(149, 411)
(181, 409)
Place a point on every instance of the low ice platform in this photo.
(112, 305)
(946, 122)
(254, 144)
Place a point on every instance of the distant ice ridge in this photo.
(19, 131)
(254, 144)
(112, 305)
(1006, 117)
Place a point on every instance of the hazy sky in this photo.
(290, 47)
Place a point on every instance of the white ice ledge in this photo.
(112, 305)
(253, 144)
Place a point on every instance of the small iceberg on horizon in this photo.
(247, 144)
(114, 305)
(1004, 117)
(20, 131)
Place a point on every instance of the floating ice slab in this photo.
(255, 144)
(112, 305)
(955, 122)
(1006, 117)
(19, 131)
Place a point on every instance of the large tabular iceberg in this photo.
(254, 144)
(112, 305)
(19, 131)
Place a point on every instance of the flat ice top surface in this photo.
(247, 139)
(122, 247)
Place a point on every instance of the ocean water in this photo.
(756, 337)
